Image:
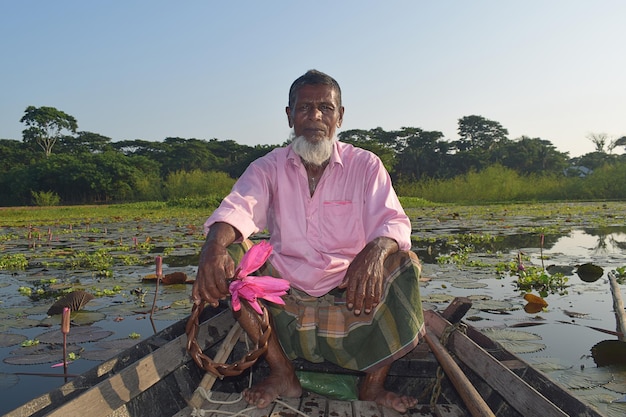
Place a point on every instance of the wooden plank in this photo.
(109, 395)
(524, 398)
(448, 410)
(456, 309)
(313, 404)
(285, 407)
(337, 408)
(365, 409)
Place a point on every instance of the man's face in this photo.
(316, 113)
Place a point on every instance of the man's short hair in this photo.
(313, 77)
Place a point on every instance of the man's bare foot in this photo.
(372, 389)
(276, 385)
(400, 403)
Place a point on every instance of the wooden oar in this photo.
(227, 346)
(470, 396)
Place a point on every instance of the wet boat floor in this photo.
(310, 404)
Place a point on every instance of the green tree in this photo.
(424, 155)
(45, 126)
(478, 132)
(375, 140)
(84, 142)
(186, 155)
(530, 155)
(14, 153)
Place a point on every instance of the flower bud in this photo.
(159, 266)
(65, 320)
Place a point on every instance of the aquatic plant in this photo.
(13, 261)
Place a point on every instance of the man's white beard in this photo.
(313, 153)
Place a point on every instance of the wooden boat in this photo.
(456, 373)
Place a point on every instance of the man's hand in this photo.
(364, 280)
(216, 266)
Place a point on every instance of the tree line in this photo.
(56, 160)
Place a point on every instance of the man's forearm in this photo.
(385, 245)
(222, 234)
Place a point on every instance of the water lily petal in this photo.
(252, 288)
(253, 259)
(276, 299)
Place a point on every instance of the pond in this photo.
(466, 251)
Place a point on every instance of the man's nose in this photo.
(315, 113)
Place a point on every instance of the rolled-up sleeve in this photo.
(245, 208)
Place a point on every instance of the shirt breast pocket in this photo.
(341, 226)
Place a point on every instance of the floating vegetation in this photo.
(77, 335)
(11, 339)
(78, 318)
(609, 352)
(13, 261)
(108, 349)
(437, 298)
(42, 353)
(547, 365)
(535, 278)
(469, 284)
(515, 341)
(586, 378)
(589, 272)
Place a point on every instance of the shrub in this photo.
(197, 183)
(45, 198)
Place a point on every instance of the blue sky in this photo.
(221, 69)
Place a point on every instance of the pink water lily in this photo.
(253, 259)
(252, 288)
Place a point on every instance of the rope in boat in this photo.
(436, 385)
(208, 395)
(200, 412)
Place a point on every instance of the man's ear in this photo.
(340, 121)
(288, 111)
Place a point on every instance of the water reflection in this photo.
(582, 244)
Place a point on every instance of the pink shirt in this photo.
(315, 238)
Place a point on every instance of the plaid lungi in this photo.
(322, 328)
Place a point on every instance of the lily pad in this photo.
(609, 352)
(560, 269)
(438, 298)
(10, 339)
(76, 335)
(469, 284)
(585, 379)
(492, 305)
(108, 349)
(589, 272)
(40, 354)
(78, 318)
(18, 323)
(547, 365)
(515, 341)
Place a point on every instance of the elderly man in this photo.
(341, 239)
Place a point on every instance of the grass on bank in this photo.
(494, 185)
